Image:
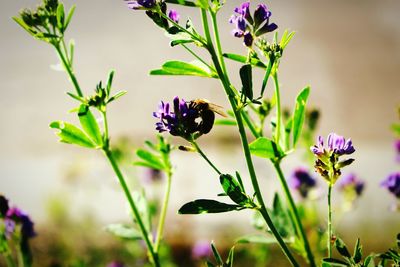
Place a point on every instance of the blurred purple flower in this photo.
(302, 181)
(201, 250)
(174, 15)
(336, 144)
(392, 183)
(181, 121)
(115, 264)
(20, 217)
(397, 148)
(352, 183)
(152, 175)
(140, 4)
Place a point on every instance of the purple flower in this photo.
(302, 181)
(115, 264)
(152, 175)
(336, 144)
(141, 4)
(247, 27)
(20, 217)
(351, 183)
(392, 183)
(174, 15)
(3, 206)
(201, 250)
(327, 163)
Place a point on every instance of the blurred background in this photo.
(347, 51)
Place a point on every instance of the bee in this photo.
(206, 111)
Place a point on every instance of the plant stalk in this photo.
(194, 143)
(329, 221)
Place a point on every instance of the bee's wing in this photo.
(217, 109)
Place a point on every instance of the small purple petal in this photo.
(248, 39)
(392, 183)
(174, 15)
(201, 250)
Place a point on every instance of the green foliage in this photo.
(234, 190)
(247, 81)
(89, 125)
(256, 238)
(194, 68)
(299, 114)
(123, 231)
(71, 134)
(266, 148)
(201, 206)
(218, 259)
(281, 218)
(254, 61)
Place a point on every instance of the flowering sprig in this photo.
(327, 163)
(250, 27)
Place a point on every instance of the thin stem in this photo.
(293, 209)
(329, 221)
(250, 124)
(194, 143)
(217, 41)
(68, 68)
(105, 123)
(245, 145)
(197, 56)
(161, 223)
(135, 211)
(278, 108)
(20, 257)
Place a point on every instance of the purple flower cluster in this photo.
(336, 144)
(141, 4)
(248, 26)
(302, 181)
(13, 217)
(174, 15)
(327, 163)
(201, 250)
(392, 183)
(351, 183)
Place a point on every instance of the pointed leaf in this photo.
(182, 68)
(152, 160)
(265, 148)
(201, 206)
(229, 261)
(116, 96)
(226, 122)
(71, 134)
(180, 41)
(299, 114)
(341, 248)
(124, 231)
(110, 81)
(247, 80)
(181, 2)
(357, 255)
(69, 17)
(89, 124)
(330, 262)
(239, 58)
(256, 238)
(60, 17)
(233, 189)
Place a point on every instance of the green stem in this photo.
(105, 123)
(217, 41)
(197, 56)
(250, 124)
(293, 209)
(69, 70)
(245, 145)
(161, 223)
(135, 210)
(194, 143)
(329, 221)
(278, 108)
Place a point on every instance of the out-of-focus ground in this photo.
(348, 51)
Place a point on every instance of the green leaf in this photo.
(60, 17)
(143, 207)
(25, 26)
(203, 4)
(89, 124)
(240, 181)
(265, 148)
(69, 17)
(369, 261)
(226, 122)
(149, 160)
(233, 189)
(71, 134)
(281, 218)
(239, 58)
(217, 256)
(266, 77)
(256, 238)
(109, 82)
(201, 206)
(357, 255)
(299, 114)
(330, 262)
(180, 41)
(183, 68)
(247, 81)
(116, 96)
(209, 264)
(229, 261)
(124, 231)
(341, 248)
